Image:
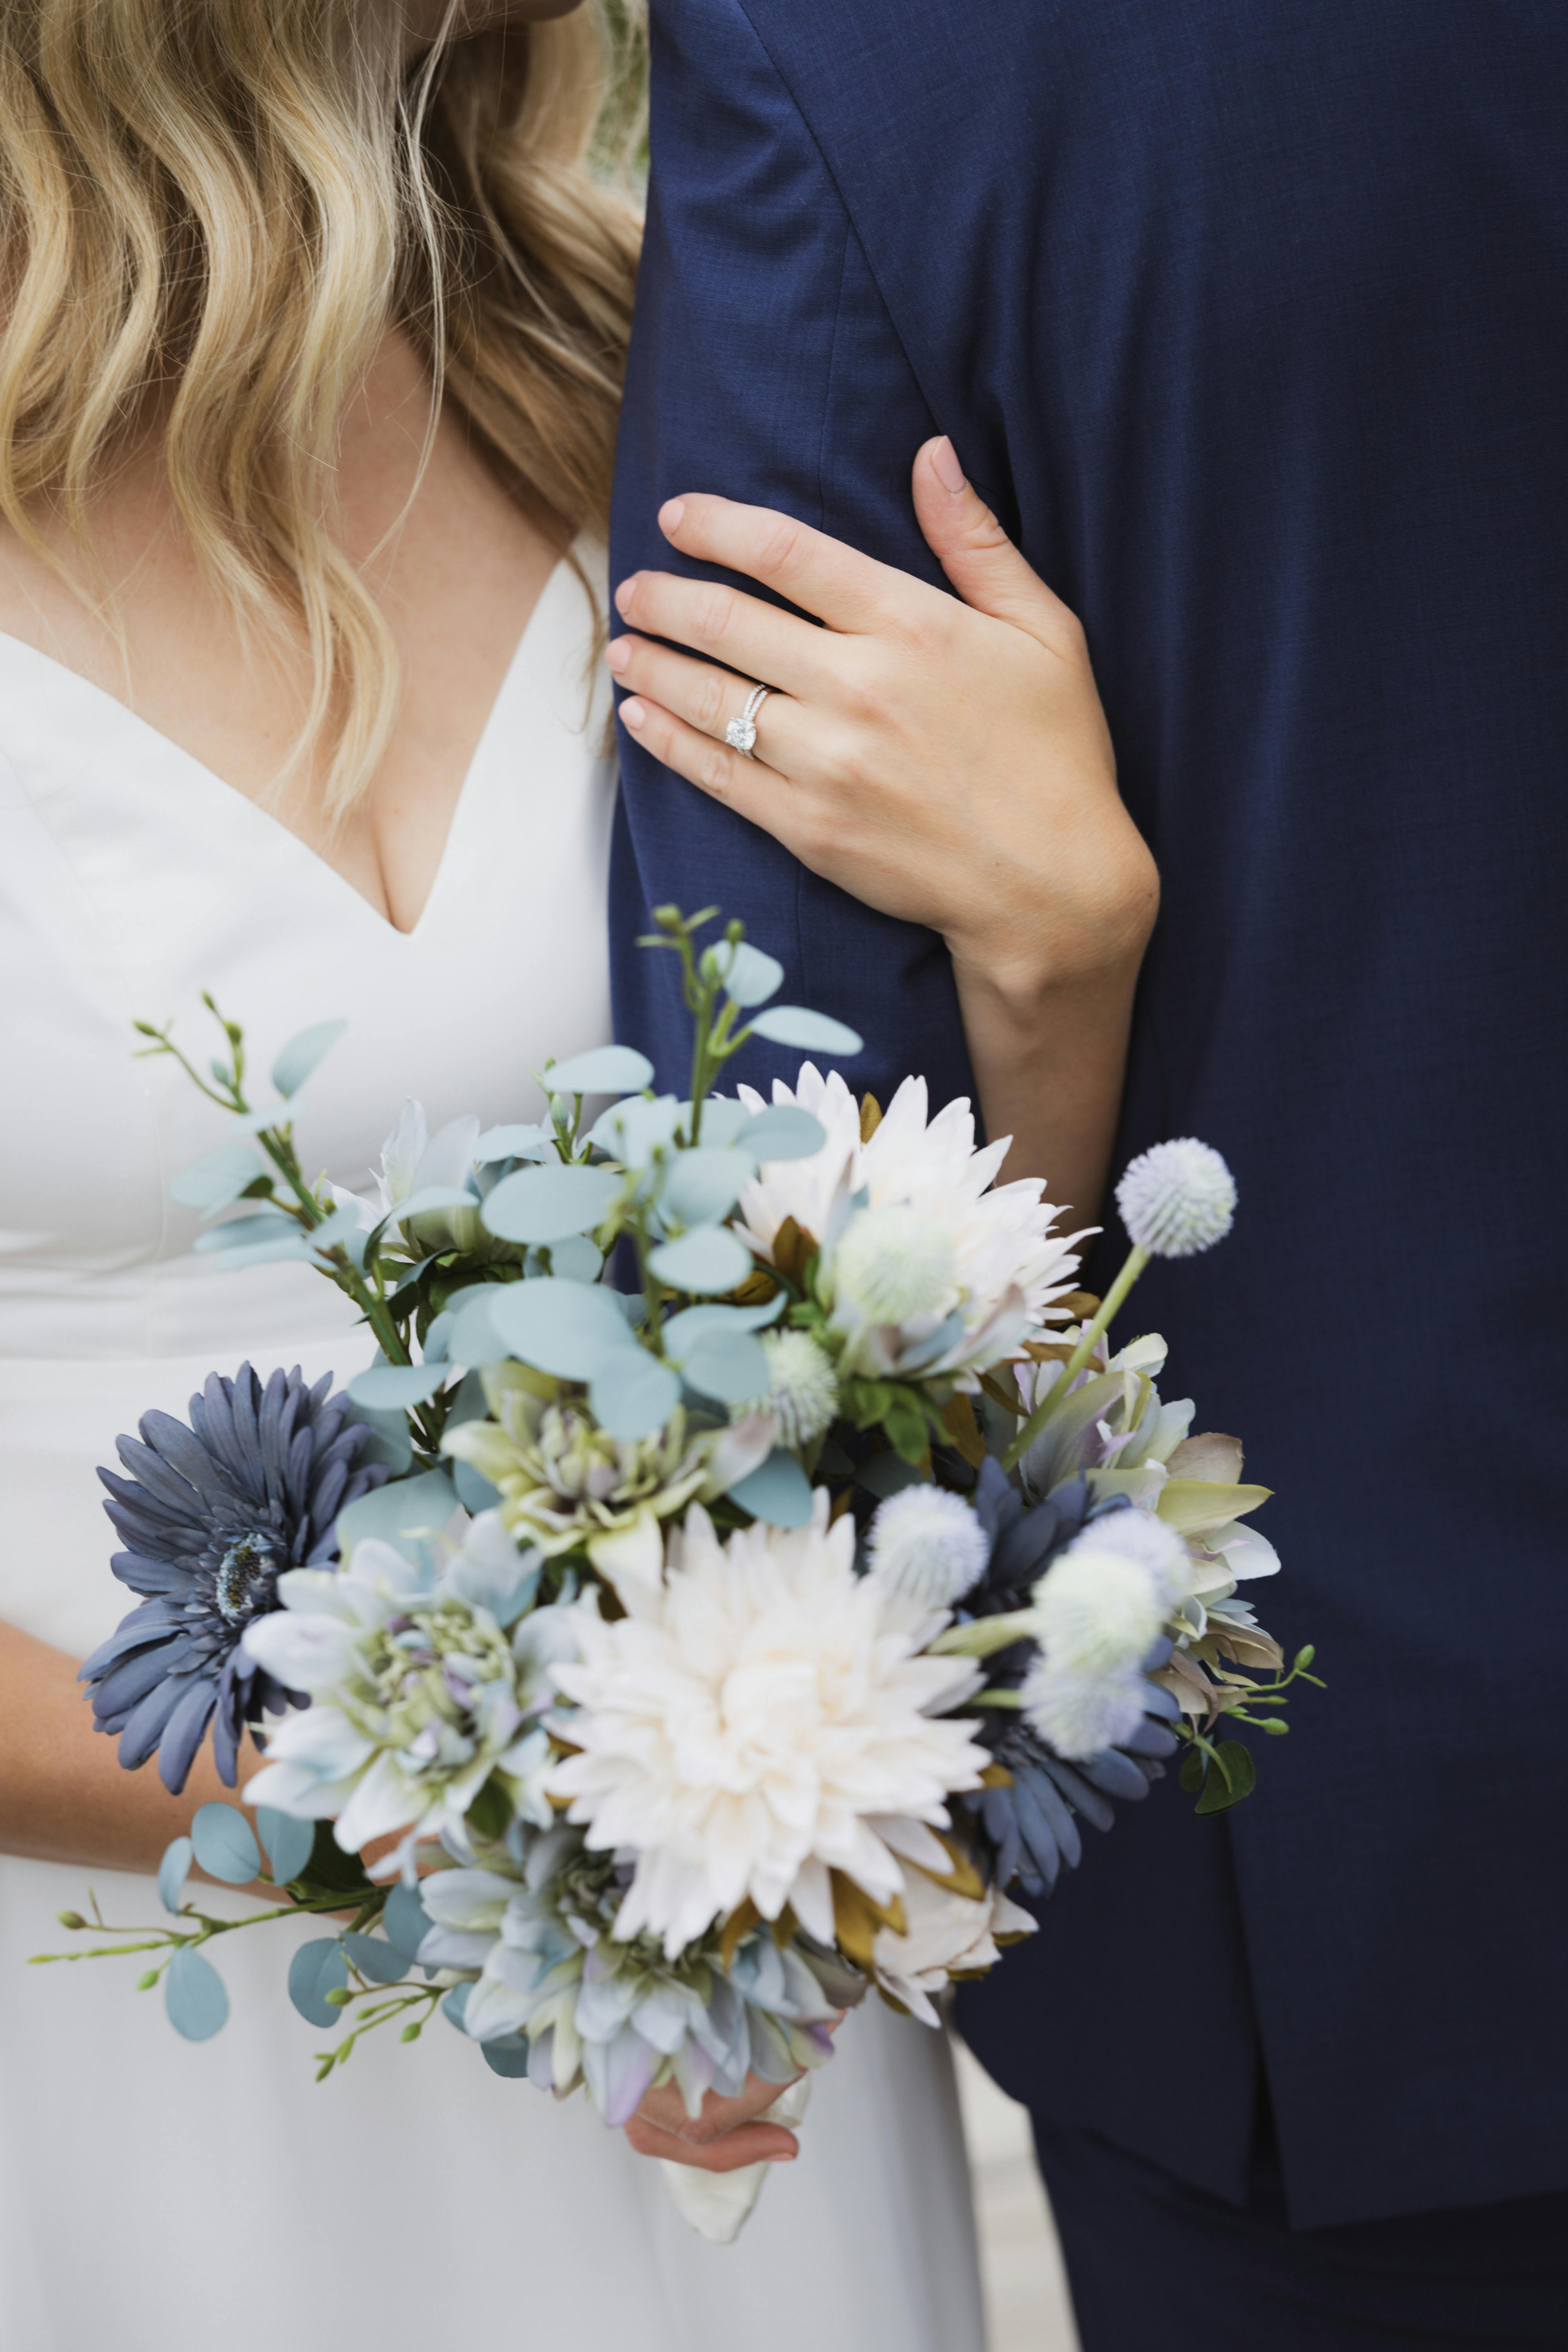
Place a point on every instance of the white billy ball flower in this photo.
(1099, 1610)
(894, 1264)
(929, 1543)
(803, 1388)
(1177, 1198)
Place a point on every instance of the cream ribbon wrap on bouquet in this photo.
(719, 2204)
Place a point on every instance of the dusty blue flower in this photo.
(211, 1515)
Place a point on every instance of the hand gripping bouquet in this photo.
(741, 1573)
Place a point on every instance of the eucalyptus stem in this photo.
(982, 1636)
(1088, 1338)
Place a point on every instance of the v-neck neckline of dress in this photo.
(143, 729)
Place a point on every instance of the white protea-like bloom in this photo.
(1177, 1198)
(946, 1934)
(929, 1543)
(1097, 1611)
(980, 1258)
(764, 1717)
(803, 1388)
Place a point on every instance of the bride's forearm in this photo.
(1049, 1057)
(63, 1796)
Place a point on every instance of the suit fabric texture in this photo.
(1250, 320)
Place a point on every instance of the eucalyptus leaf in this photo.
(388, 1442)
(632, 1394)
(577, 1259)
(561, 1327)
(173, 1873)
(288, 1840)
(512, 1143)
(729, 1365)
(401, 1514)
(405, 1921)
(381, 1963)
(195, 1996)
(603, 1070)
(722, 1118)
(633, 1130)
(508, 2055)
(224, 1844)
(472, 1338)
(546, 1205)
(429, 1197)
(255, 1122)
(316, 1970)
(468, 1400)
(286, 1248)
(683, 1329)
(778, 1492)
(812, 1033)
(266, 1225)
(781, 1131)
(212, 1183)
(395, 1387)
(701, 1186)
(750, 977)
(455, 2004)
(707, 1258)
(301, 1053)
(475, 1491)
(1220, 1791)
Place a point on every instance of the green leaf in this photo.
(301, 1053)
(288, 1841)
(317, 1969)
(728, 1365)
(330, 1871)
(212, 1183)
(393, 1388)
(546, 1205)
(374, 1958)
(748, 976)
(603, 1070)
(561, 1327)
(701, 1186)
(401, 1514)
(780, 1131)
(1235, 1777)
(173, 1872)
(632, 1394)
(195, 1996)
(225, 1845)
(778, 1493)
(811, 1032)
(1194, 1766)
(709, 1258)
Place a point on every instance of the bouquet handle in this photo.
(719, 2204)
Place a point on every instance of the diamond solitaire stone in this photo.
(739, 734)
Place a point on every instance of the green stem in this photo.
(984, 1635)
(1137, 1259)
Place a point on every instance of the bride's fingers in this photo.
(754, 791)
(709, 698)
(748, 2143)
(851, 592)
(988, 572)
(740, 631)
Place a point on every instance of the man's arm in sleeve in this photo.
(764, 367)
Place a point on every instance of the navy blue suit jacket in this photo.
(1250, 318)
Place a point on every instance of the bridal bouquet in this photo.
(743, 1566)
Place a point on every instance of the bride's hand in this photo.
(947, 762)
(723, 2137)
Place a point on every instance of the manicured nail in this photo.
(625, 593)
(946, 467)
(617, 654)
(633, 714)
(671, 515)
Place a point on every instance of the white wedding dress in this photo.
(162, 2196)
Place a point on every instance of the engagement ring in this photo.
(741, 733)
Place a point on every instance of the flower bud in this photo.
(929, 1543)
(1177, 1198)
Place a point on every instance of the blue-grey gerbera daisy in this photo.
(212, 1516)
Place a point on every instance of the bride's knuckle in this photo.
(710, 701)
(715, 772)
(713, 614)
(780, 547)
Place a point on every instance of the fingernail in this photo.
(625, 593)
(617, 654)
(946, 467)
(633, 714)
(671, 515)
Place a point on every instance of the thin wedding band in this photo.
(741, 733)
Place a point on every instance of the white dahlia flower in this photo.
(929, 1543)
(763, 1718)
(953, 1283)
(1097, 1611)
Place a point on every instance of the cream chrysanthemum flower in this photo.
(764, 1717)
(953, 1281)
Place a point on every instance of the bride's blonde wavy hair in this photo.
(210, 213)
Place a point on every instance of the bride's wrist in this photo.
(1029, 970)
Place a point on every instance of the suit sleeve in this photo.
(764, 366)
